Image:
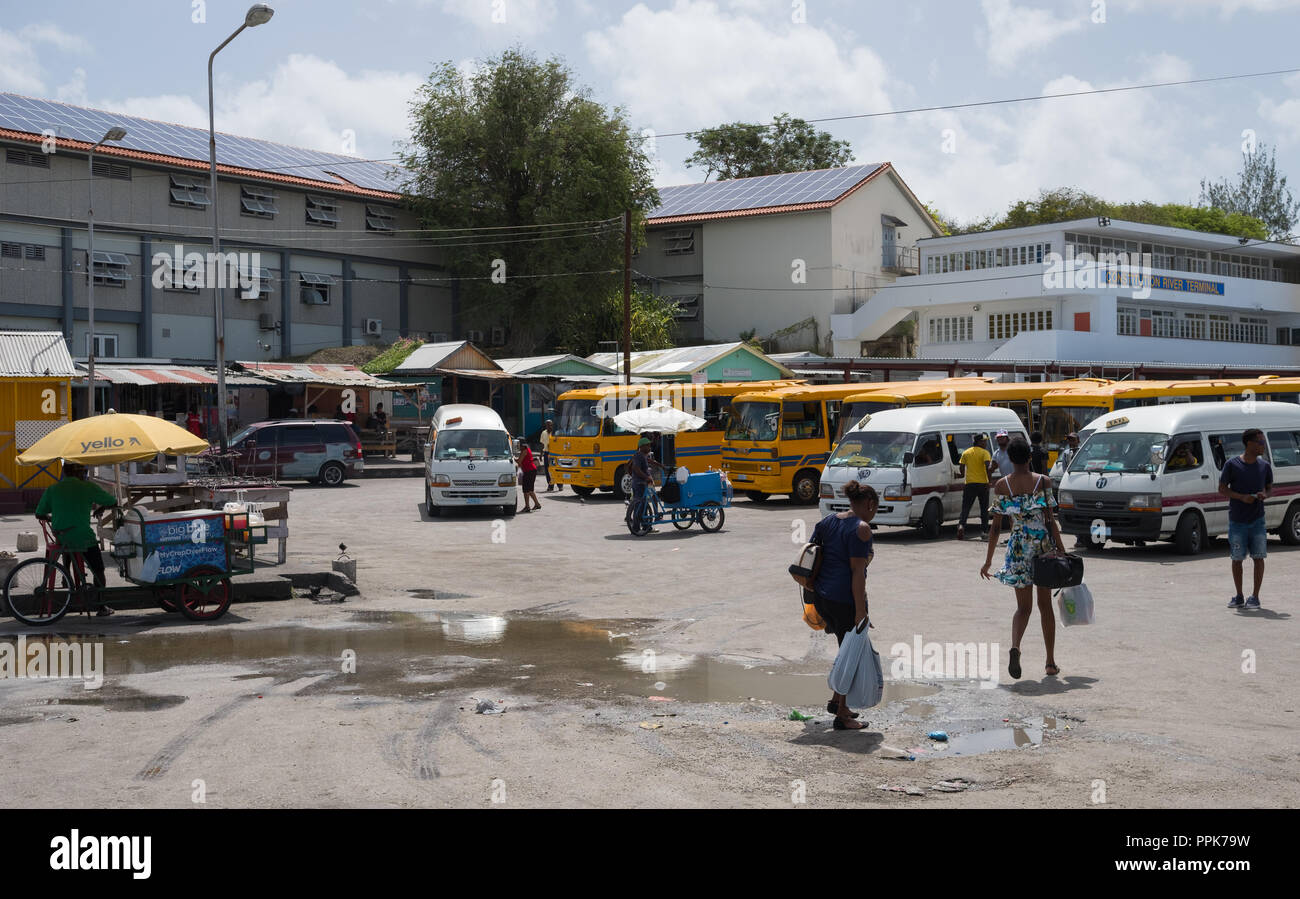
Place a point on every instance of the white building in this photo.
(1041, 293)
(779, 255)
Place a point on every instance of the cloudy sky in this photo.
(323, 68)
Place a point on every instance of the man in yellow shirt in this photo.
(975, 465)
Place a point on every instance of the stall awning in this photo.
(324, 375)
(152, 375)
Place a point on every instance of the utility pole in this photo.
(627, 297)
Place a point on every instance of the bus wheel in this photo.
(931, 520)
(806, 484)
(622, 483)
(757, 496)
(1290, 532)
(1189, 538)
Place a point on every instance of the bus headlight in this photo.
(1065, 500)
(1144, 502)
(588, 463)
(764, 467)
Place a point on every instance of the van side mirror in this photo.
(909, 458)
(1157, 454)
(516, 445)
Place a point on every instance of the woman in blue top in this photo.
(841, 588)
(1026, 498)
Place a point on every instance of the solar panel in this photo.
(19, 113)
(760, 192)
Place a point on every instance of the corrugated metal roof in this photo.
(529, 364)
(459, 354)
(150, 375)
(680, 361)
(331, 375)
(35, 354)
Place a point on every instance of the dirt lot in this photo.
(657, 671)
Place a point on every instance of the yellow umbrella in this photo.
(112, 438)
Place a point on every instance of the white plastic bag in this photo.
(149, 570)
(683, 475)
(1075, 605)
(857, 673)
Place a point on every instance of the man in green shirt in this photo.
(68, 506)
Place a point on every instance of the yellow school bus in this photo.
(1069, 409)
(590, 452)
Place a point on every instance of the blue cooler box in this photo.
(704, 487)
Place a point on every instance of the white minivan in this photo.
(910, 457)
(469, 460)
(1152, 473)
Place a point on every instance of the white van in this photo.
(1126, 484)
(469, 460)
(910, 457)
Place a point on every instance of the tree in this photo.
(582, 332)
(517, 149)
(1259, 191)
(742, 150)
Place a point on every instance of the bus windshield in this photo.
(754, 421)
(1117, 451)
(1061, 420)
(852, 413)
(577, 418)
(877, 449)
(472, 443)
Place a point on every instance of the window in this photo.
(298, 435)
(105, 345)
(257, 201)
(189, 192)
(173, 273)
(1020, 407)
(929, 449)
(27, 157)
(1225, 446)
(1005, 325)
(322, 211)
(380, 218)
(11, 250)
(687, 307)
(1126, 321)
(1183, 453)
(337, 434)
(31, 251)
(314, 290)
(680, 242)
(261, 279)
(110, 269)
(106, 168)
(1284, 448)
(801, 421)
(952, 329)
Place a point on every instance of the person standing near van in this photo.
(528, 482)
(1002, 465)
(1026, 498)
(1037, 453)
(841, 587)
(975, 465)
(1247, 481)
(548, 429)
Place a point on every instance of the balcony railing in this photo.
(900, 260)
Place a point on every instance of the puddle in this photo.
(1028, 732)
(123, 700)
(409, 655)
(424, 593)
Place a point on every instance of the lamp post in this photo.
(258, 14)
(113, 134)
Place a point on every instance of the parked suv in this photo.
(324, 451)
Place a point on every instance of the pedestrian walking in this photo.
(1026, 498)
(841, 587)
(528, 480)
(548, 431)
(640, 468)
(1247, 481)
(975, 466)
(1037, 453)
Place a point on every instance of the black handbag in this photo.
(1057, 571)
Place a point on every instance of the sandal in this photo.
(841, 724)
(1052, 670)
(1013, 667)
(834, 709)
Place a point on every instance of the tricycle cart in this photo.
(701, 500)
(186, 558)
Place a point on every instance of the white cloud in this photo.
(48, 33)
(1017, 31)
(510, 17)
(1284, 114)
(20, 65)
(1226, 8)
(712, 65)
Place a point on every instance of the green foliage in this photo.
(742, 150)
(518, 143)
(392, 357)
(583, 330)
(1258, 192)
(946, 226)
(1068, 204)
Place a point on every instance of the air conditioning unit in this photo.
(474, 336)
(374, 327)
(441, 336)
(498, 336)
(265, 321)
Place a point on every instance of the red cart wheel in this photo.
(162, 596)
(205, 593)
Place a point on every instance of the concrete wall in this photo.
(1079, 346)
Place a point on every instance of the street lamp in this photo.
(258, 14)
(113, 134)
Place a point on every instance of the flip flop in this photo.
(1052, 670)
(1013, 667)
(840, 725)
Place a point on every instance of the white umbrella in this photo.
(661, 417)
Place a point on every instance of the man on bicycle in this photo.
(68, 506)
(639, 467)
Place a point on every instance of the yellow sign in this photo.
(1116, 422)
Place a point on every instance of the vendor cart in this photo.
(701, 500)
(185, 558)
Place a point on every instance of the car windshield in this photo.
(472, 443)
(1061, 420)
(1117, 451)
(754, 421)
(577, 418)
(877, 449)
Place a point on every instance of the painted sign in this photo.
(176, 546)
(1107, 277)
(738, 374)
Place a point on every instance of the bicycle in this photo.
(40, 591)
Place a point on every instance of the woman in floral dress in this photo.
(1027, 499)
